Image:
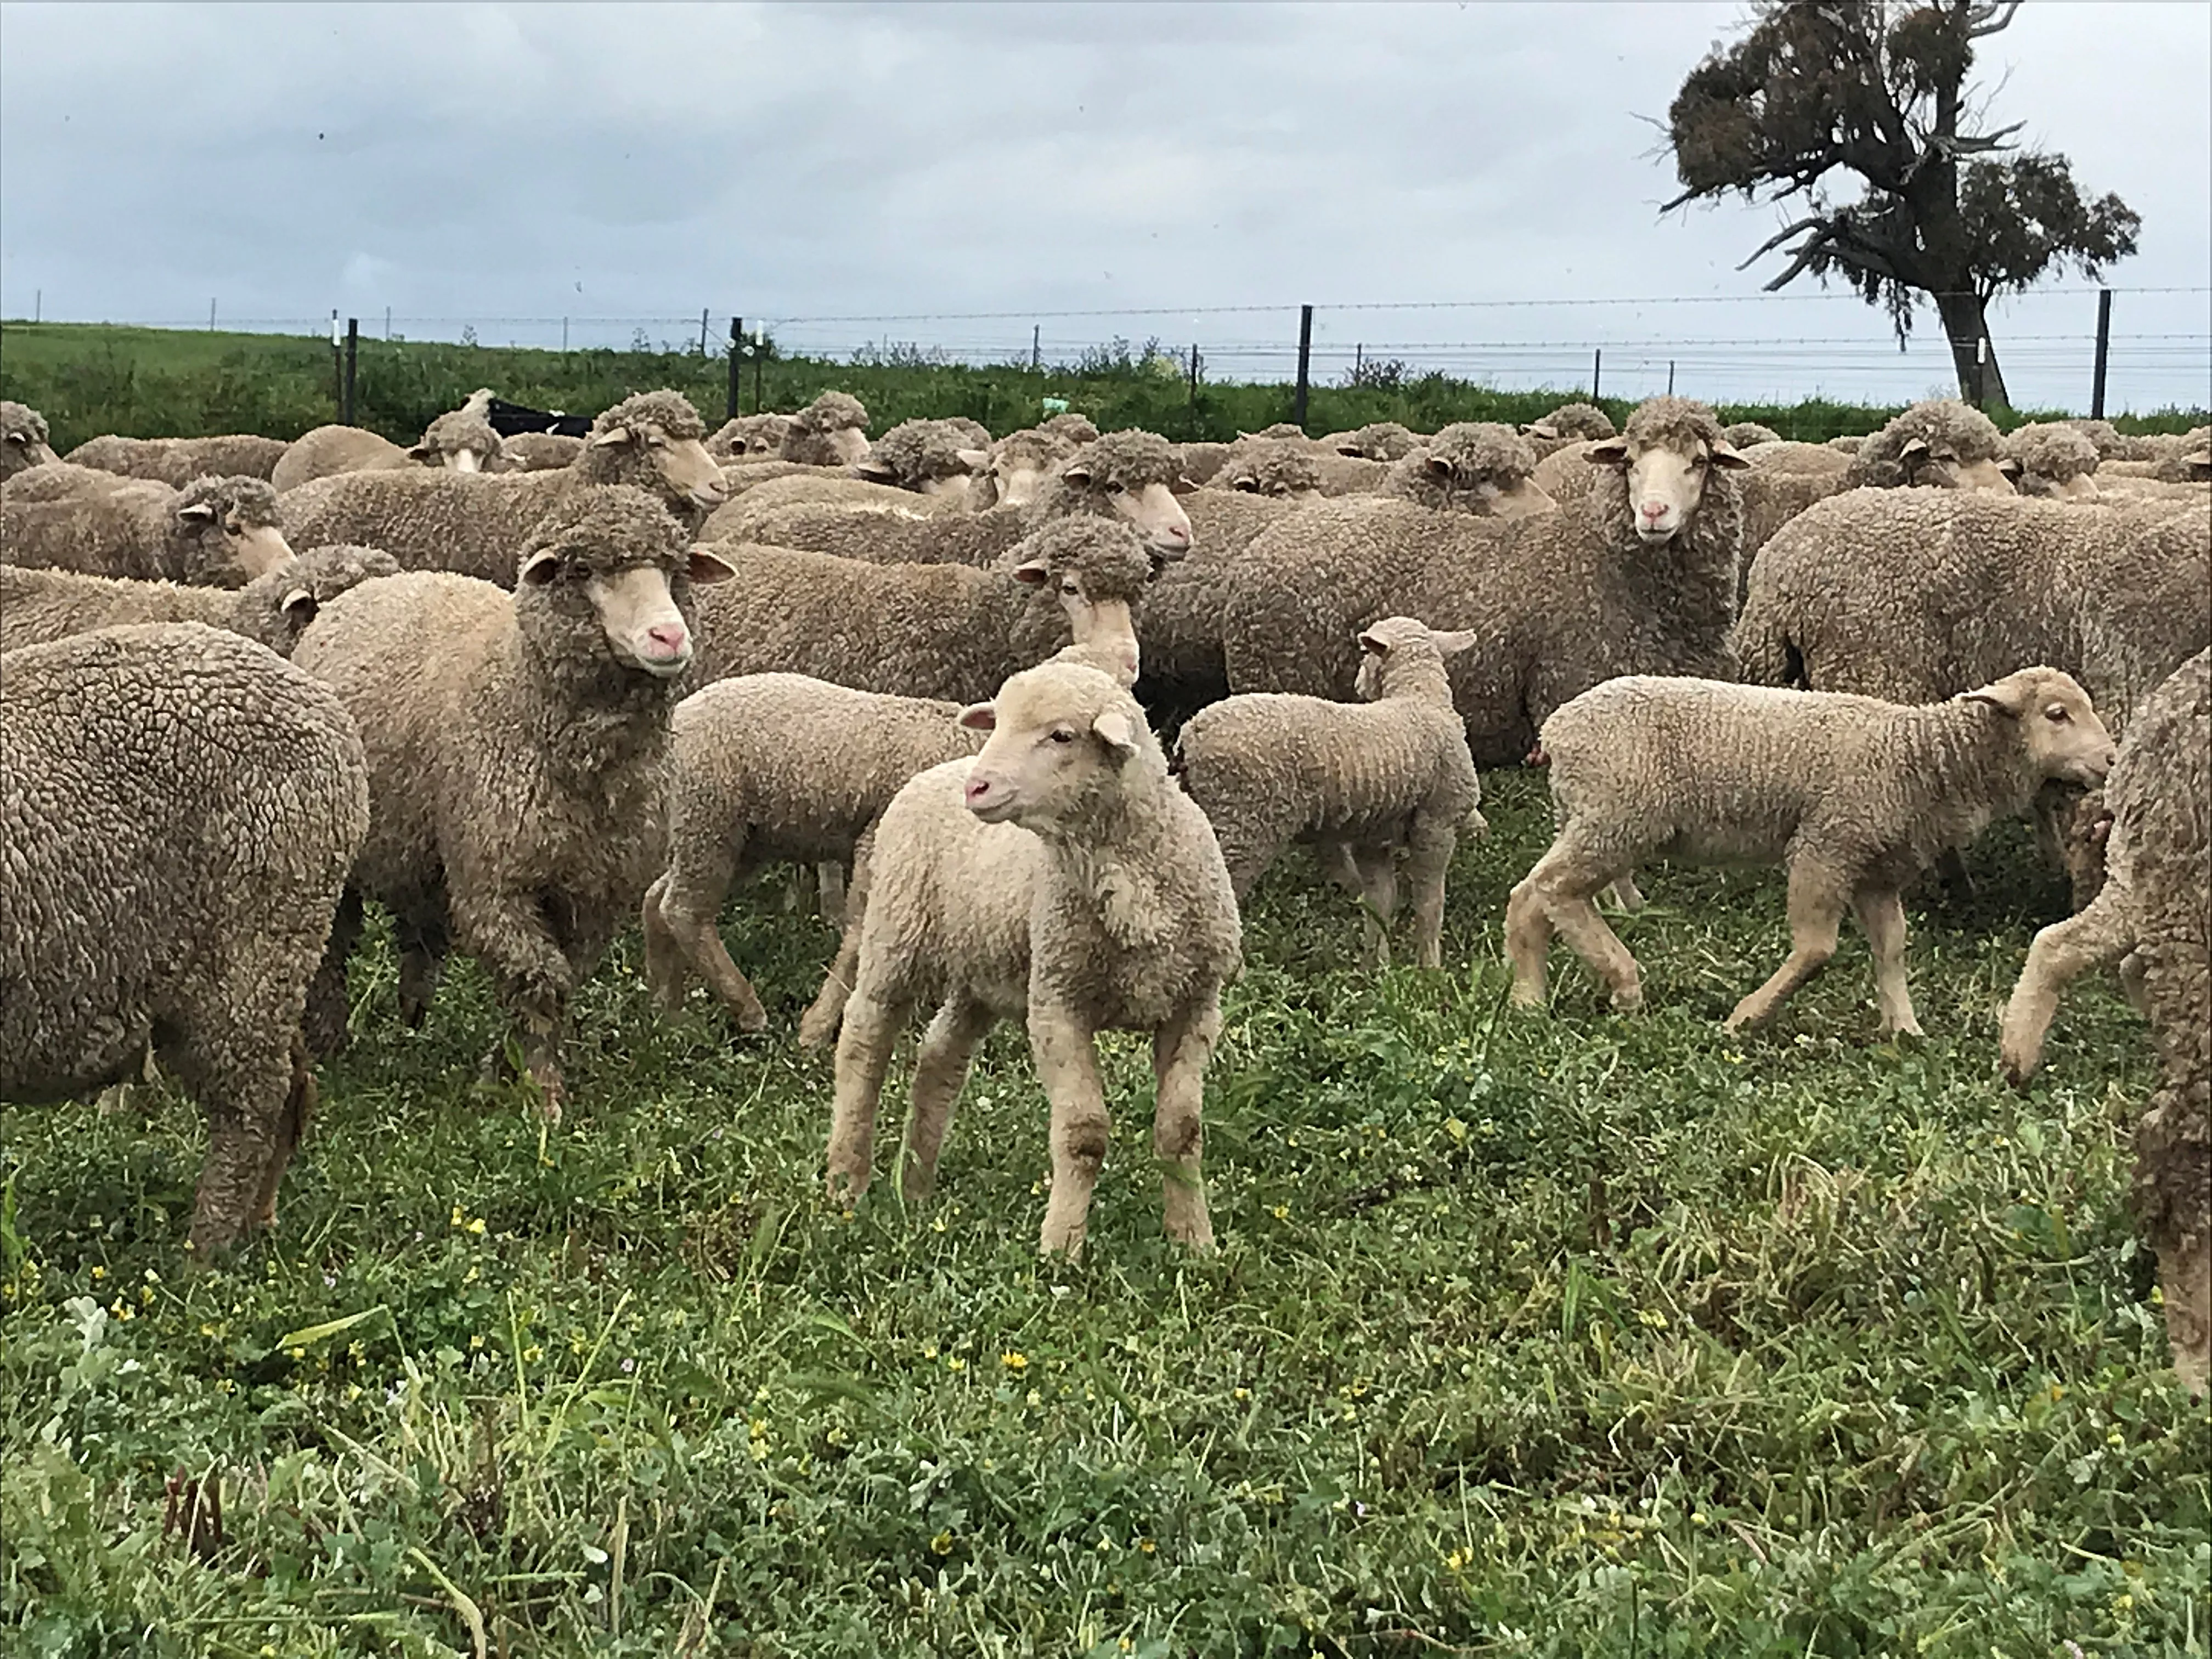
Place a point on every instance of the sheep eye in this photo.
(1114, 487)
(1062, 734)
(2057, 714)
(1071, 590)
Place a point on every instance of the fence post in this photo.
(353, 344)
(2104, 351)
(337, 362)
(1193, 375)
(760, 356)
(737, 368)
(1305, 356)
(1981, 371)
(210, 316)
(1036, 347)
(1597, 369)
(1670, 377)
(702, 331)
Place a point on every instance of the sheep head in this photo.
(2065, 741)
(229, 532)
(461, 442)
(1097, 568)
(1478, 467)
(2049, 457)
(656, 440)
(1398, 647)
(1269, 466)
(1129, 476)
(1065, 739)
(614, 561)
(831, 431)
(23, 439)
(1672, 446)
(1939, 444)
(1019, 464)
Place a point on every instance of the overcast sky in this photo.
(508, 166)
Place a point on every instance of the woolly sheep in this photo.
(180, 811)
(222, 532)
(539, 451)
(1638, 574)
(431, 519)
(2053, 459)
(1060, 873)
(271, 610)
(1371, 782)
(2110, 443)
(1381, 441)
(1916, 594)
(1481, 467)
(517, 749)
(456, 440)
(831, 431)
(23, 441)
(1749, 435)
(1852, 796)
(1020, 463)
(1201, 462)
(1125, 476)
(1941, 442)
(1575, 422)
(749, 434)
(1071, 428)
(177, 461)
(935, 458)
(944, 631)
(1268, 466)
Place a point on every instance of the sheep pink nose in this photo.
(1655, 511)
(977, 788)
(669, 637)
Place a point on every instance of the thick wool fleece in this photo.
(1916, 594)
(1380, 440)
(914, 452)
(1749, 435)
(749, 435)
(38, 605)
(1126, 460)
(808, 436)
(518, 767)
(430, 519)
(177, 461)
(916, 630)
(138, 528)
(1269, 466)
(1559, 600)
(2050, 453)
(23, 439)
(1952, 430)
(1485, 457)
(180, 810)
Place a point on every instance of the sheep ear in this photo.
(1353, 450)
(1248, 485)
(706, 567)
(2010, 467)
(1114, 728)
(539, 568)
(1915, 449)
(1076, 472)
(874, 472)
(1726, 456)
(424, 454)
(1035, 573)
(1181, 484)
(613, 435)
(1449, 643)
(2009, 696)
(197, 513)
(1374, 644)
(978, 717)
(1440, 466)
(1539, 430)
(300, 606)
(974, 459)
(1609, 452)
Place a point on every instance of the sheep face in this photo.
(1938, 466)
(2081, 487)
(1666, 484)
(1060, 736)
(1151, 507)
(679, 468)
(224, 546)
(2065, 741)
(22, 440)
(1396, 640)
(1018, 478)
(635, 605)
(1093, 619)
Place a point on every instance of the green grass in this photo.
(90, 379)
(1550, 1335)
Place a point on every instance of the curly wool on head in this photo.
(458, 429)
(1572, 424)
(24, 441)
(1077, 430)
(914, 451)
(1748, 435)
(671, 412)
(1951, 430)
(749, 435)
(1477, 453)
(811, 437)
(1378, 440)
(1108, 556)
(1267, 466)
(2051, 453)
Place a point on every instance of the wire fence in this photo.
(1741, 348)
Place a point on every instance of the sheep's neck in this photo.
(1975, 764)
(1109, 854)
(592, 716)
(1424, 679)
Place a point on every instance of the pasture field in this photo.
(1546, 1335)
(90, 379)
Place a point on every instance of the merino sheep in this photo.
(2109, 441)
(23, 441)
(177, 461)
(1941, 442)
(1750, 435)
(1916, 594)
(1479, 467)
(749, 435)
(271, 610)
(539, 451)
(456, 440)
(1202, 461)
(432, 520)
(920, 631)
(1268, 466)
(1381, 441)
(1852, 796)
(1060, 873)
(1071, 428)
(1020, 463)
(180, 809)
(2054, 458)
(831, 431)
(1636, 575)
(934, 458)
(1125, 476)
(518, 746)
(1574, 422)
(1371, 782)
(220, 532)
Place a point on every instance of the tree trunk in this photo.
(1980, 383)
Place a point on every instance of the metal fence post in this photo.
(2103, 353)
(737, 368)
(1036, 347)
(352, 346)
(1305, 357)
(1597, 369)
(1193, 375)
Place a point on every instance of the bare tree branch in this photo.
(1979, 24)
(1816, 222)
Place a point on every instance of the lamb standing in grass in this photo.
(1370, 782)
(518, 747)
(271, 610)
(1853, 797)
(180, 809)
(23, 442)
(222, 532)
(432, 520)
(1061, 872)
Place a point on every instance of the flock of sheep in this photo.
(518, 691)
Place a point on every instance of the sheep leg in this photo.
(1816, 915)
(691, 903)
(2102, 934)
(1181, 1051)
(1428, 857)
(830, 891)
(1248, 860)
(423, 946)
(291, 1129)
(818, 1024)
(1556, 896)
(864, 1054)
(941, 1071)
(1882, 919)
(330, 1006)
(532, 977)
(1626, 894)
(1068, 1063)
(664, 973)
(2184, 1274)
(1376, 869)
